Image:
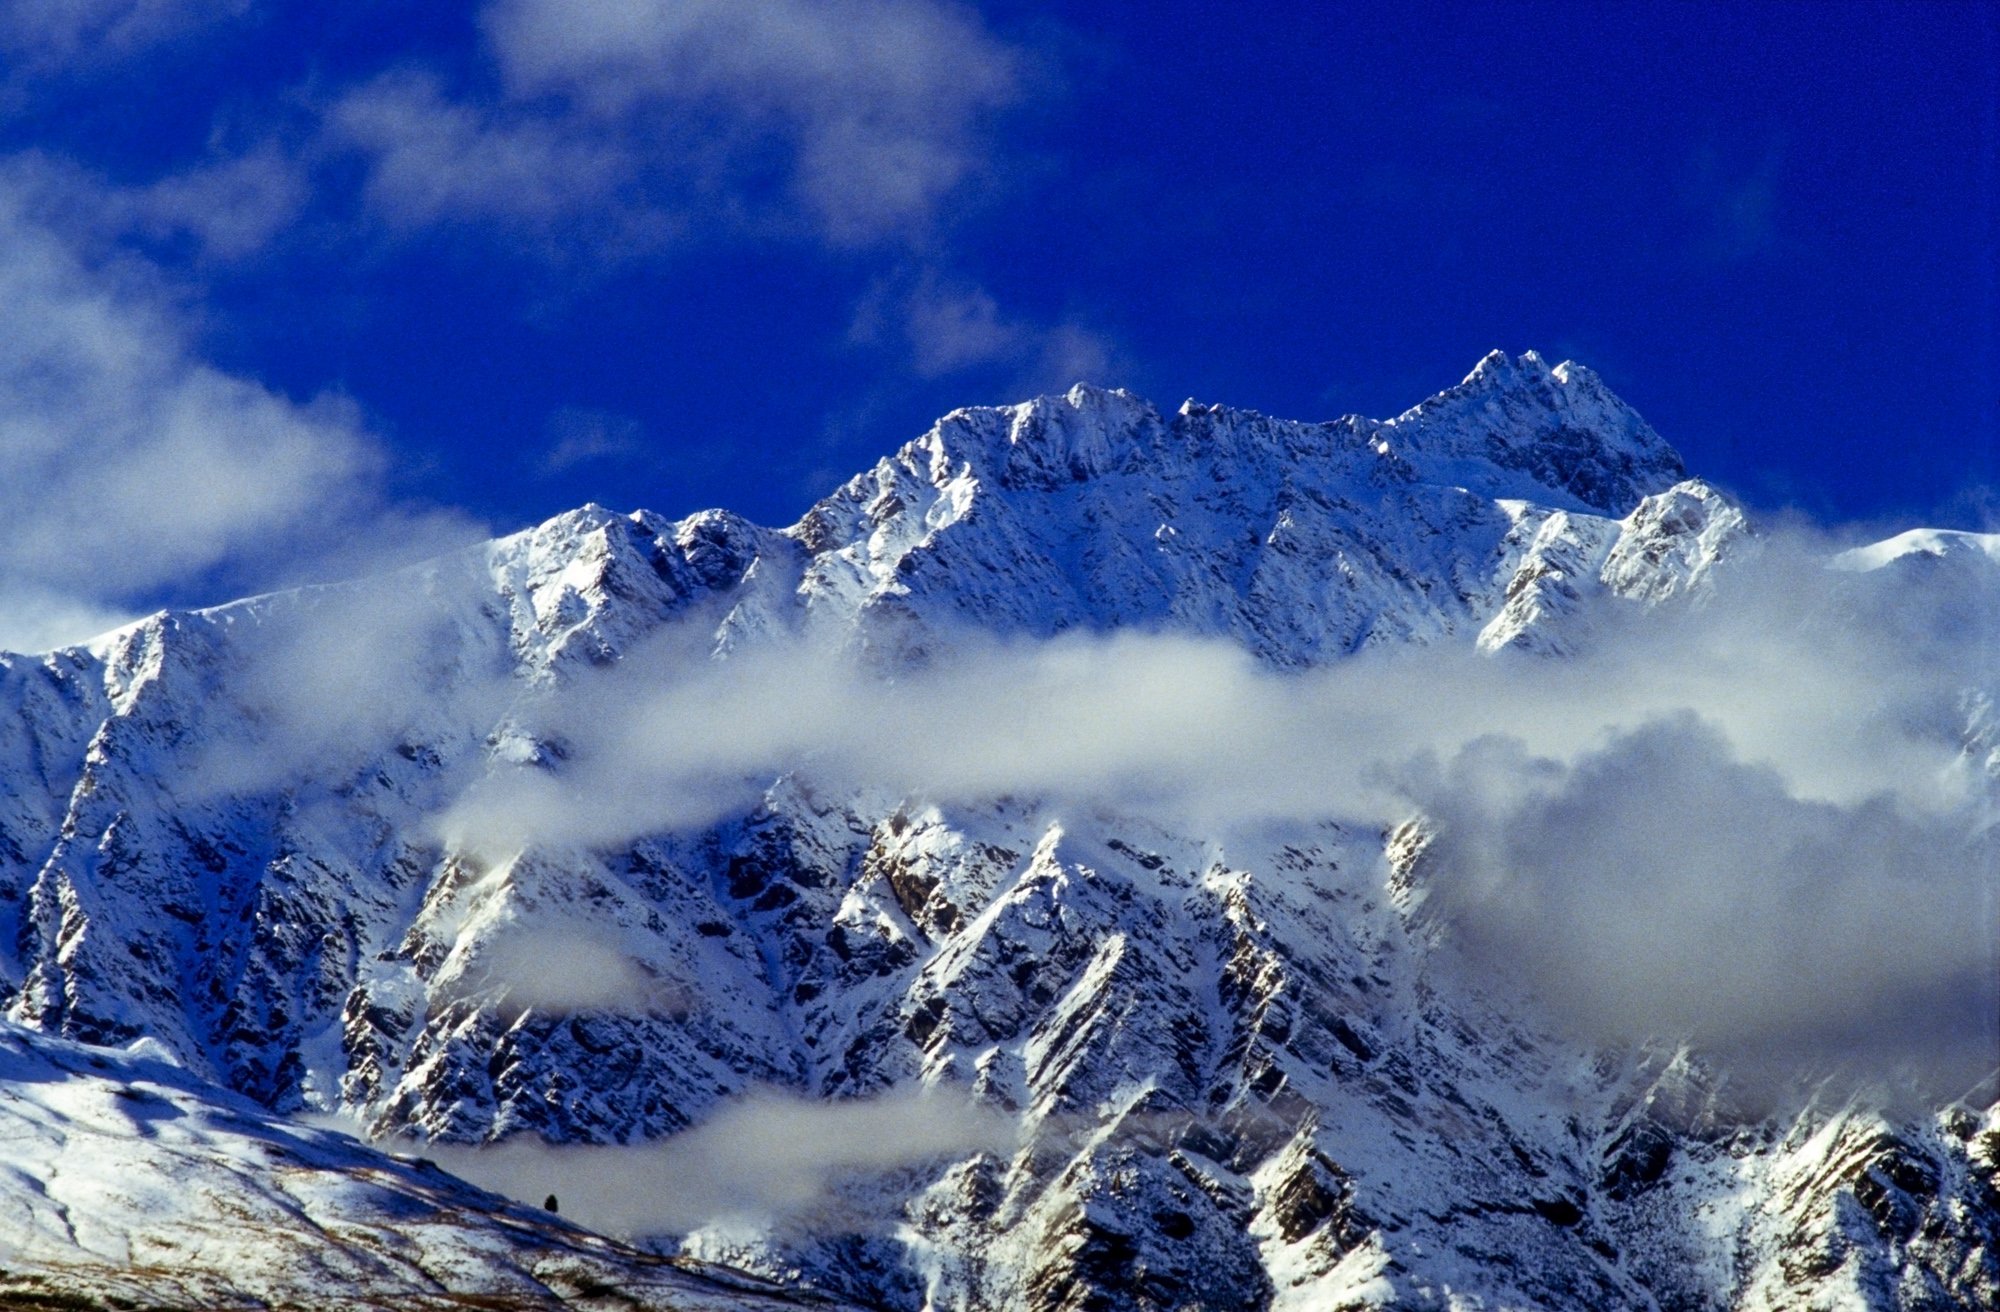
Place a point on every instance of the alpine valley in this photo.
(1237, 1065)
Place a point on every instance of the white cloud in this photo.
(35, 620)
(56, 35)
(850, 121)
(945, 326)
(878, 105)
(232, 206)
(133, 464)
(767, 1156)
(434, 159)
(1661, 886)
(326, 677)
(558, 971)
(954, 328)
(1070, 353)
(228, 206)
(120, 439)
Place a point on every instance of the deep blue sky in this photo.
(711, 253)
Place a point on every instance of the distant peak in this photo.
(1491, 365)
(1569, 371)
(1935, 543)
(1561, 427)
(586, 517)
(1085, 395)
(1496, 367)
(1192, 407)
(1110, 404)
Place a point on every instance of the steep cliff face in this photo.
(1243, 1071)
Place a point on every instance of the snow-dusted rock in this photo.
(1560, 565)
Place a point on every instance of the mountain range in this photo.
(422, 856)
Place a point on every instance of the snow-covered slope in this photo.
(1242, 1078)
(125, 1182)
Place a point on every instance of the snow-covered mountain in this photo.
(1241, 1075)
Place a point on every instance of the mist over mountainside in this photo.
(1449, 861)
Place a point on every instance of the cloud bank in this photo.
(1661, 886)
(1197, 727)
(1765, 826)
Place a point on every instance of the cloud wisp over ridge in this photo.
(1764, 825)
(135, 464)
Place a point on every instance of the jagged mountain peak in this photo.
(1559, 426)
(1046, 441)
(1496, 366)
(1515, 426)
(1301, 539)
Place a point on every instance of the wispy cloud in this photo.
(434, 159)
(35, 619)
(870, 111)
(1777, 784)
(944, 326)
(43, 37)
(578, 435)
(134, 464)
(1736, 205)
(224, 207)
(557, 970)
(768, 1158)
(848, 123)
(326, 676)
